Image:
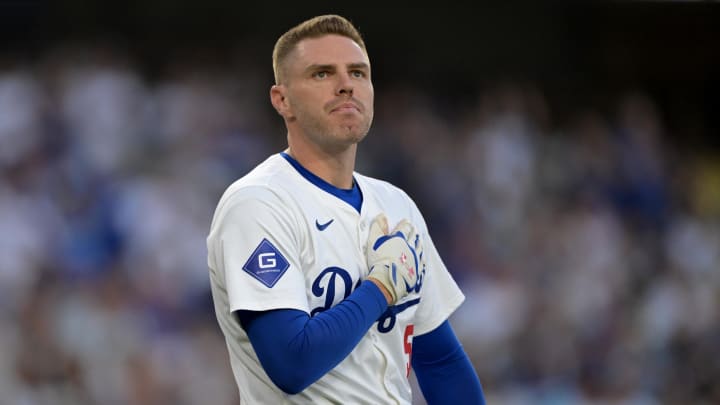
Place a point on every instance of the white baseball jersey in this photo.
(280, 240)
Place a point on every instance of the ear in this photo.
(279, 100)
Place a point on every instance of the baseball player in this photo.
(326, 284)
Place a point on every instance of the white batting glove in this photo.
(392, 257)
(415, 242)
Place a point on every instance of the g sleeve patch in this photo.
(266, 264)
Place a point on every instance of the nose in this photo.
(345, 85)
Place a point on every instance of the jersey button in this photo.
(362, 225)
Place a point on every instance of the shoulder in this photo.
(391, 198)
(270, 184)
(266, 180)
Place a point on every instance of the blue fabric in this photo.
(351, 196)
(443, 369)
(296, 350)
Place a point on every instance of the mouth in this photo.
(346, 108)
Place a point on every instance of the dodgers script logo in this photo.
(326, 285)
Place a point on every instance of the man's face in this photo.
(328, 91)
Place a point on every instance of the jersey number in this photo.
(407, 343)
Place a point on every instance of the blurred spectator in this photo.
(590, 269)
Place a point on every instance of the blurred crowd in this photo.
(588, 245)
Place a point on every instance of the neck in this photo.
(335, 167)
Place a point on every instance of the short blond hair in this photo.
(312, 28)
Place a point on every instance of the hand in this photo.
(392, 257)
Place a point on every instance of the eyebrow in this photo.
(357, 65)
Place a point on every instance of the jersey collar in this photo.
(352, 196)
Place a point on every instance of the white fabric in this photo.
(276, 204)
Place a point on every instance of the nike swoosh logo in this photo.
(321, 227)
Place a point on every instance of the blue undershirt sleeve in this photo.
(296, 350)
(443, 369)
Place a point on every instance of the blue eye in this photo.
(321, 74)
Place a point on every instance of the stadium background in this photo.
(565, 157)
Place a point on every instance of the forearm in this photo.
(443, 369)
(296, 350)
